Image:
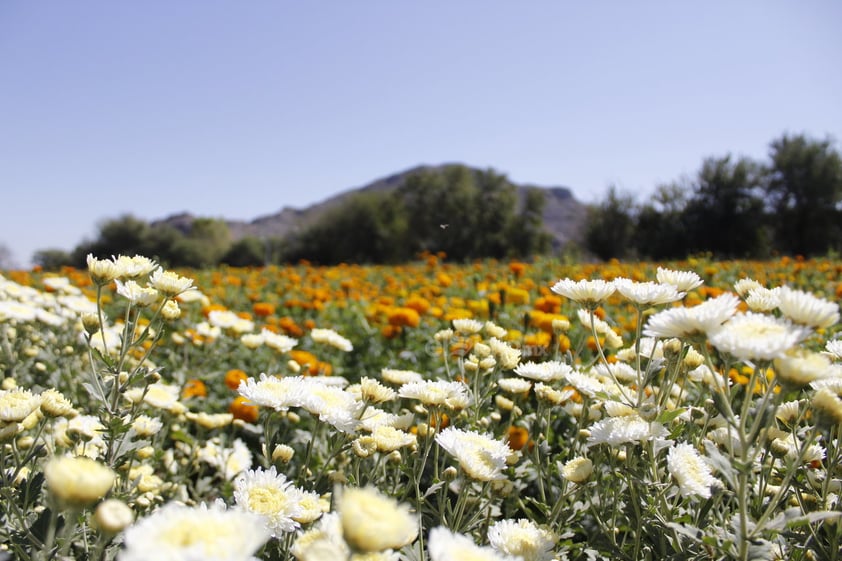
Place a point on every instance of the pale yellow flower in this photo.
(77, 480)
(373, 522)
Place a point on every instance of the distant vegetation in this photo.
(734, 207)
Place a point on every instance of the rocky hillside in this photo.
(564, 216)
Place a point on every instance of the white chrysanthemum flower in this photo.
(467, 326)
(444, 545)
(78, 480)
(372, 521)
(142, 296)
(516, 386)
(806, 309)
(751, 336)
(506, 355)
(494, 331)
(373, 418)
(17, 311)
(332, 405)
(400, 377)
(683, 281)
(577, 470)
(827, 403)
(618, 409)
(332, 338)
(161, 396)
(690, 471)
(146, 426)
(627, 428)
(480, 456)
(55, 404)
(312, 505)
(389, 438)
(277, 341)
(86, 426)
(834, 349)
(522, 538)
(745, 285)
(112, 516)
(102, 271)
(180, 532)
(373, 391)
(788, 412)
(170, 284)
(801, 368)
(550, 371)
(210, 421)
(702, 319)
(590, 321)
(252, 340)
(762, 299)
(453, 395)
(552, 395)
(229, 461)
(134, 267)
(615, 371)
(588, 292)
(324, 542)
(269, 494)
(587, 384)
(278, 393)
(648, 293)
(16, 405)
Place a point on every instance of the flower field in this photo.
(493, 410)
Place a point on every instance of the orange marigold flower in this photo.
(243, 410)
(391, 331)
(517, 268)
(404, 317)
(517, 438)
(194, 388)
(439, 421)
(263, 309)
(233, 378)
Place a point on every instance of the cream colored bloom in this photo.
(373, 391)
(269, 494)
(806, 309)
(77, 480)
(134, 267)
(388, 439)
(138, 295)
(400, 377)
(112, 516)
(684, 281)
(588, 292)
(210, 420)
(494, 331)
(170, 284)
(690, 471)
(374, 522)
(828, 405)
(445, 545)
(54, 404)
(522, 538)
(146, 426)
(745, 286)
(702, 319)
(481, 457)
(647, 294)
(17, 404)
(800, 368)
(550, 371)
(283, 453)
(467, 326)
(751, 336)
(332, 338)
(834, 349)
(453, 395)
(516, 386)
(177, 532)
(171, 311)
(161, 396)
(506, 355)
(102, 271)
(577, 470)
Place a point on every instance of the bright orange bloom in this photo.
(243, 410)
(194, 388)
(518, 437)
(391, 331)
(517, 268)
(439, 421)
(404, 317)
(263, 309)
(233, 378)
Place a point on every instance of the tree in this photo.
(527, 235)
(805, 189)
(660, 231)
(52, 259)
(725, 212)
(610, 226)
(247, 252)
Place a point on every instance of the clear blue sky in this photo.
(237, 109)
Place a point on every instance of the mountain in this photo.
(564, 216)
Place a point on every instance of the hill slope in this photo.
(564, 216)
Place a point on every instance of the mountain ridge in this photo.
(563, 215)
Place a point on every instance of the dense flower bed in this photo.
(497, 410)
